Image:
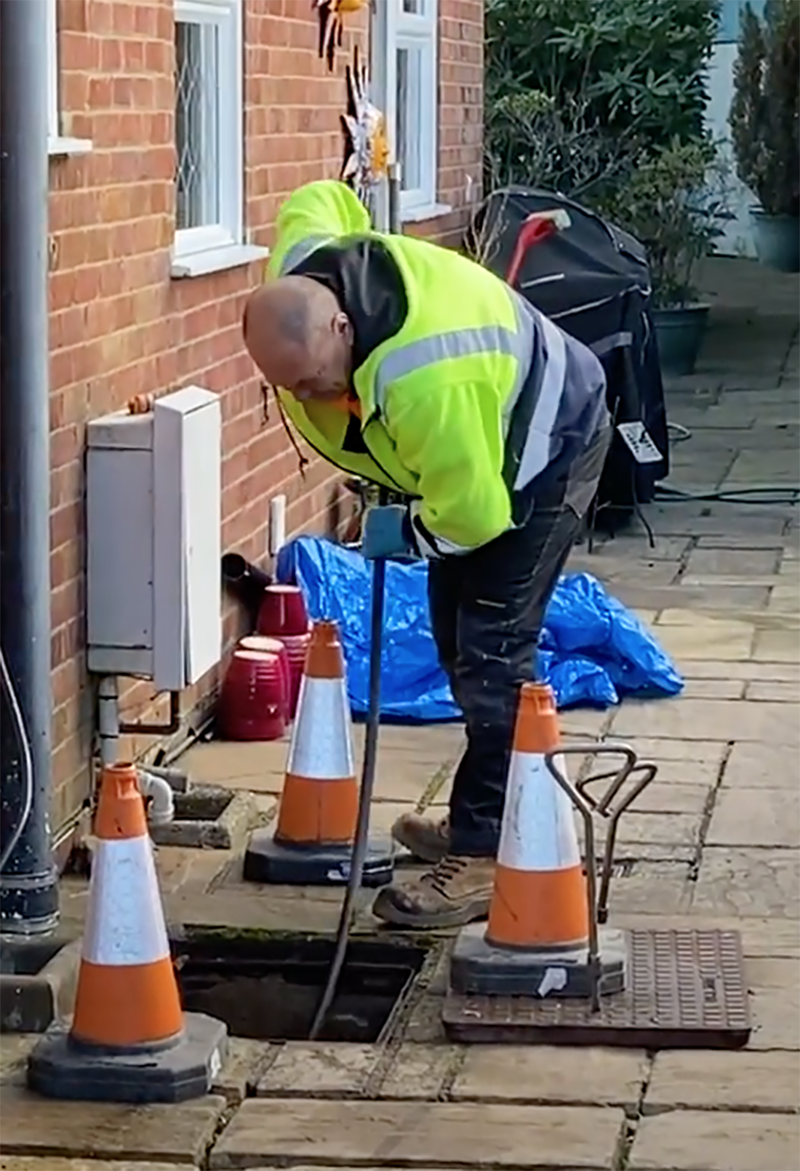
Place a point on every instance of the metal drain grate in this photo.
(686, 989)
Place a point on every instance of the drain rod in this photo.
(371, 740)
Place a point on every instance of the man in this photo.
(418, 369)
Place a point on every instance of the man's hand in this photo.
(385, 533)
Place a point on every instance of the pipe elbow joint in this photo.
(161, 806)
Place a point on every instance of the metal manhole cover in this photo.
(686, 989)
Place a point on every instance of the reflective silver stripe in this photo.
(437, 546)
(612, 342)
(526, 321)
(301, 251)
(536, 452)
(460, 343)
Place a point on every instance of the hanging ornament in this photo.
(331, 24)
(366, 151)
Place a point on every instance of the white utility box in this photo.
(153, 502)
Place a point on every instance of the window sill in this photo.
(63, 147)
(430, 211)
(216, 260)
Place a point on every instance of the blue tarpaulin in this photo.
(592, 650)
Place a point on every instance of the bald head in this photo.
(299, 337)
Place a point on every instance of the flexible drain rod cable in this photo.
(765, 494)
(373, 723)
(26, 761)
(364, 798)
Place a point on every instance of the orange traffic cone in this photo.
(129, 1040)
(537, 937)
(316, 825)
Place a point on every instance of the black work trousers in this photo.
(487, 609)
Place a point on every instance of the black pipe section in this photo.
(245, 581)
(29, 884)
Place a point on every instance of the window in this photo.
(51, 22)
(208, 126)
(412, 100)
(57, 144)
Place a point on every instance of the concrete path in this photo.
(716, 842)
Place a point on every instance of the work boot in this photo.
(427, 839)
(458, 890)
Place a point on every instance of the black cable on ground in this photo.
(764, 494)
(26, 761)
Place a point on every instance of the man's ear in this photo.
(342, 326)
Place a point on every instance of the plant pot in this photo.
(777, 240)
(680, 331)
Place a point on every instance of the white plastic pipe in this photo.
(277, 524)
(161, 810)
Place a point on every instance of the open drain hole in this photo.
(269, 989)
(201, 805)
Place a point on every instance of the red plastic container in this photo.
(296, 646)
(271, 646)
(252, 701)
(282, 612)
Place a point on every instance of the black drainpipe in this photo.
(29, 883)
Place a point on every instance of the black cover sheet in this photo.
(593, 280)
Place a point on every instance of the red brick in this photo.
(119, 326)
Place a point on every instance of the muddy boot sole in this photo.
(386, 909)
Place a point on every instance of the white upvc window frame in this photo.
(57, 144)
(417, 32)
(213, 247)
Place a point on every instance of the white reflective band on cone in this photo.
(321, 745)
(125, 920)
(538, 831)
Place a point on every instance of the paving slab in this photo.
(650, 829)
(686, 641)
(23, 1163)
(652, 887)
(703, 621)
(319, 1070)
(755, 817)
(727, 562)
(716, 1141)
(14, 1050)
(755, 766)
(243, 1067)
(417, 1134)
(749, 882)
(424, 1025)
(714, 688)
(33, 1125)
(773, 692)
(420, 1071)
(734, 599)
(552, 1075)
(778, 938)
(707, 719)
(777, 646)
(662, 796)
(406, 763)
(775, 1003)
(724, 669)
(744, 1080)
(676, 754)
(741, 541)
(678, 770)
(268, 908)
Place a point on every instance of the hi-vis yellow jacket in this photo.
(466, 404)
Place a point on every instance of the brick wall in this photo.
(120, 326)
